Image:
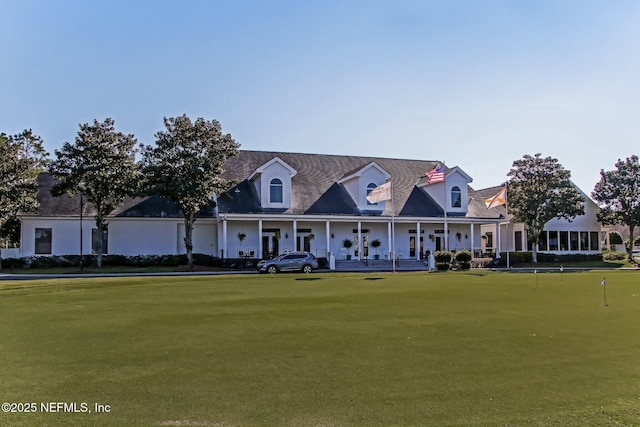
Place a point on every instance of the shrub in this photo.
(443, 256)
(13, 262)
(464, 265)
(442, 266)
(463, 256)
(206, 260)
(615, 256)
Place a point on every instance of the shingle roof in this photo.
(315, 190)
(477, 207)
(313, 187)
(148, 207)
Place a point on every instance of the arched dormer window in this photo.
(370, 187)
(456, 197)
(275, 191)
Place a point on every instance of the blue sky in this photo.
(475, 83)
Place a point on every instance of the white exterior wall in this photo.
(130, 236)
(204, 237)
(143, 236)
(437, 192)
(65, 235)
(275, 170)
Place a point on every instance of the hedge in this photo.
(526, 257)
(135, 261)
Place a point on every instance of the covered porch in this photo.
(266, 236)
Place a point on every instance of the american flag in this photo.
(436, 174)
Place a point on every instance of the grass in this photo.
(458, 349)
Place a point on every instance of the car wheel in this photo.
(272, 269)
(307, 269)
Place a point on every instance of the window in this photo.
(489, 239)
(594, 240)
(573, 240)
(95, 241)
(542, 243)
(456, 197)
(584, 241)
(518, 242)
(275, 191)
(564, 240)
(553, 240)
(370, 188)
(43, 241)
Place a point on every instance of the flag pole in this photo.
(506, 193)
(446, 227)
(393, 228)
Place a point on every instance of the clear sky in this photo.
(475, 83)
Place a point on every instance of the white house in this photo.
(293, 201)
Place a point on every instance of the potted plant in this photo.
(376, 244)
(241, 237)
(347, 243)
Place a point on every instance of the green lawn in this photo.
(477, 348)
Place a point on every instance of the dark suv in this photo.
(292, 261)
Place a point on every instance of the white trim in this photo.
(360, 171)
(276, 159)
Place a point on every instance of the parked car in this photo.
(292, 261)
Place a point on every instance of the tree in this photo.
(539, 190)
(101, 165)
(22, 158)
(618, 193)
(185, 166)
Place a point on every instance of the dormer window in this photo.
(456, 197)
(370, 188)
(275, 191)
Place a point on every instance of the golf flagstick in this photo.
(604, 291)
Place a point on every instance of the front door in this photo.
(412, 247)
(438, 243)
(303, 243)
(270, 245)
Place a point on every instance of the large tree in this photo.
(539, 190)
(185, 166)
(22, 158)
(618, 193)
(101, 165)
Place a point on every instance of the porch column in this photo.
(418, 250)
(224, 237)
(446, 235)
(360, 249)
(498, 240)
(295, 235)
(472, 242)
(259, 239)
(389, 237)
(328, 233)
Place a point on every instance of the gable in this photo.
(335, 201)
(420, 203)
